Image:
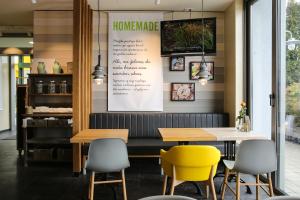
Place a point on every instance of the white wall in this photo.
(4, 93)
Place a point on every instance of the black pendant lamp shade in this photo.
(98, 73)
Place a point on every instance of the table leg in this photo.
(25, 147)
(77, 158)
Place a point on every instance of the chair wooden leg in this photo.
(207, 190)
(270, 185)
(225, 182)
(237, 193)
(212, 188)
(124, 185)
(91, 190)
(257, 187)
(165, 184)
(211, 183)
(172, 186)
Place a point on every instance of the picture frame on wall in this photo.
(177, 63)
(195, 70)
(182, 91)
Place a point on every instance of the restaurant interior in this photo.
(149, 99)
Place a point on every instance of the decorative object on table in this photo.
(48, 62)
(56, 68)
(177, 63)
(69, 67)
(41, 68)
(51, 87)
(243, 121)
(39, 87)
(63, 87)
(98, 73)
(29, 110)
(195, 69)
(182, 91)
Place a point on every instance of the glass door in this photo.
(290, 101)
(260, 66)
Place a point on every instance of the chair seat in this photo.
(167, 197)
(229, 164)
(284, 198)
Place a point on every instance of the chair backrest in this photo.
(167, 197)
(256, 157)
(192, 162)
(107, 155)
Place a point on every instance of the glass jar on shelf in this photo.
(63, 87)
(51, 87)
(39, 87)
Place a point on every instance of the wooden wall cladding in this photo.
(82, 54)
(53, 35)
(209, 98)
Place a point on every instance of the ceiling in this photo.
(177, 5)
(19, 12)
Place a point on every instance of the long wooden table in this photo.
(88, 135)
(227, 135)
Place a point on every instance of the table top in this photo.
(88, 135)
(206, 134)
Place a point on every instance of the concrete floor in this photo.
(55, 181)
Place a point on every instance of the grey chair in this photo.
(283, 198)
(166, 197)
(105, 156)
(253, 157)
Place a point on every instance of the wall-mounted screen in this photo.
(185, 36)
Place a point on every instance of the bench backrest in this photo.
(146, 124)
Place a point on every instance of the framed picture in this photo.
(195, 70)
(177, 63)
(182, 91)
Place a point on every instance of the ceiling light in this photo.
(203, 74)
(157, 2)
(12, 51)
(99, 73)
(34, 1)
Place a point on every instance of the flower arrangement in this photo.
(243, 119)
(242, 112)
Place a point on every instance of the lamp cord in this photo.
(98, 27)
(202, 30)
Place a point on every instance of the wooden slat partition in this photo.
(82, 61)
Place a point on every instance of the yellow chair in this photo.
(190, 163)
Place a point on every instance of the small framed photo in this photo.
(177, 63)
(195, 70)
(182, 91)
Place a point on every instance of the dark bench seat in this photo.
(144, 138)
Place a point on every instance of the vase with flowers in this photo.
(243, 121)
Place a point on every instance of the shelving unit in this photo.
(47, 139)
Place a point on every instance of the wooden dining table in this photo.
(228, 135)
(87, 136)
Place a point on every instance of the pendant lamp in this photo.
(99, 73)
(203, 74)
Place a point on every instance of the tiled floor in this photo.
(292, 168)
(55, 181)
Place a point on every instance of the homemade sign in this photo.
(135, 79)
